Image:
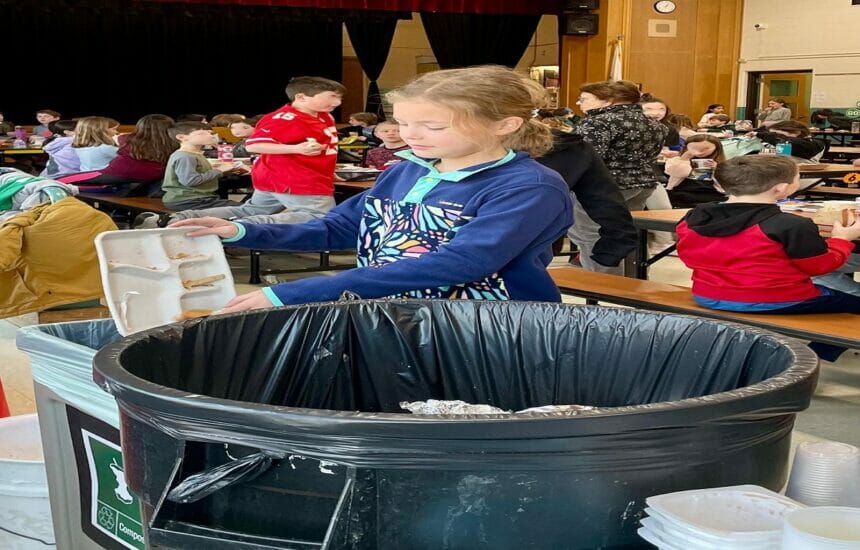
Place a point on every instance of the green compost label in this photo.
(853, 113)
(113, 509)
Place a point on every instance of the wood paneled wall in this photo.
(696, 67)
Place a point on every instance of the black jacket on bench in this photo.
(595, 189)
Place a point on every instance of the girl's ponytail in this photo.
(533, 137)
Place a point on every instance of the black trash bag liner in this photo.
(241, 470)
(684, 403)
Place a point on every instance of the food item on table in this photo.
(831, 211)
(205, 281)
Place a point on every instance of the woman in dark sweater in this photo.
(626, 140)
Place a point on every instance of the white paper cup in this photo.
(825, 473)
(824, 528)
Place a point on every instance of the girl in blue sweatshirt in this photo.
(468, 214)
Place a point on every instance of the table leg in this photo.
(641, 264)
(629, 264)
(255, 267)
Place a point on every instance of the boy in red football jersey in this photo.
(294, 175)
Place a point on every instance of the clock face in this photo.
(665, 6)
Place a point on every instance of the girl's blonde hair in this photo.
(481, 95)
(93, 130)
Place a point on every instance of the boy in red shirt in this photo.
(294, 175)
(748, 255)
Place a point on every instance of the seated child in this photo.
(719, 124)
(683, 124)
(242, 129)
(190, 182)
(5, 126)
(360, 127)
(747, 255)
(138, 167)
(793, 132)
(221, 125)
(713, 109)
(45, 117)
(94, 142)
(468, 214)
(62, 158)
(384, 156)
(691, 174)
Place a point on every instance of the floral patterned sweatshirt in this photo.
(627, 141)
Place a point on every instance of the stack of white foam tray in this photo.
(744, 517)
(151, 277)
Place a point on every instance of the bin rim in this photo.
(108, 372)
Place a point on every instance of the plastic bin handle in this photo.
(242, 470)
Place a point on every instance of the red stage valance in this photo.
(521, 7)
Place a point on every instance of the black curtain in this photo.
(127, 59)
(464, 39)
(371, 38)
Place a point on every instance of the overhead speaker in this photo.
(583, 24)
(570, 5)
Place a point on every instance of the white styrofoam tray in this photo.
(688, 541)
(743, 511)
(143, 272)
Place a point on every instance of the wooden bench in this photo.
(839, 329)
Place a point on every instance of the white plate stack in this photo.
(822, 528)
(744, 517)
(825, 473)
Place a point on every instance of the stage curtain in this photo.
(450, 6)
(464, 39)
(125, 60)
(371, 39)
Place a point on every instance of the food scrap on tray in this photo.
(205, 281)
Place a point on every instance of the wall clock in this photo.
(665, 6)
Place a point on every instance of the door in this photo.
(353, 79)
(794, 88)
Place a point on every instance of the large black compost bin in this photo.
(282, 428)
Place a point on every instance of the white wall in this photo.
(802, 35)
(410, 42)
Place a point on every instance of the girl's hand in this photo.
(245, 302)
(709, 163)
(210, 226)
(670, 154)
